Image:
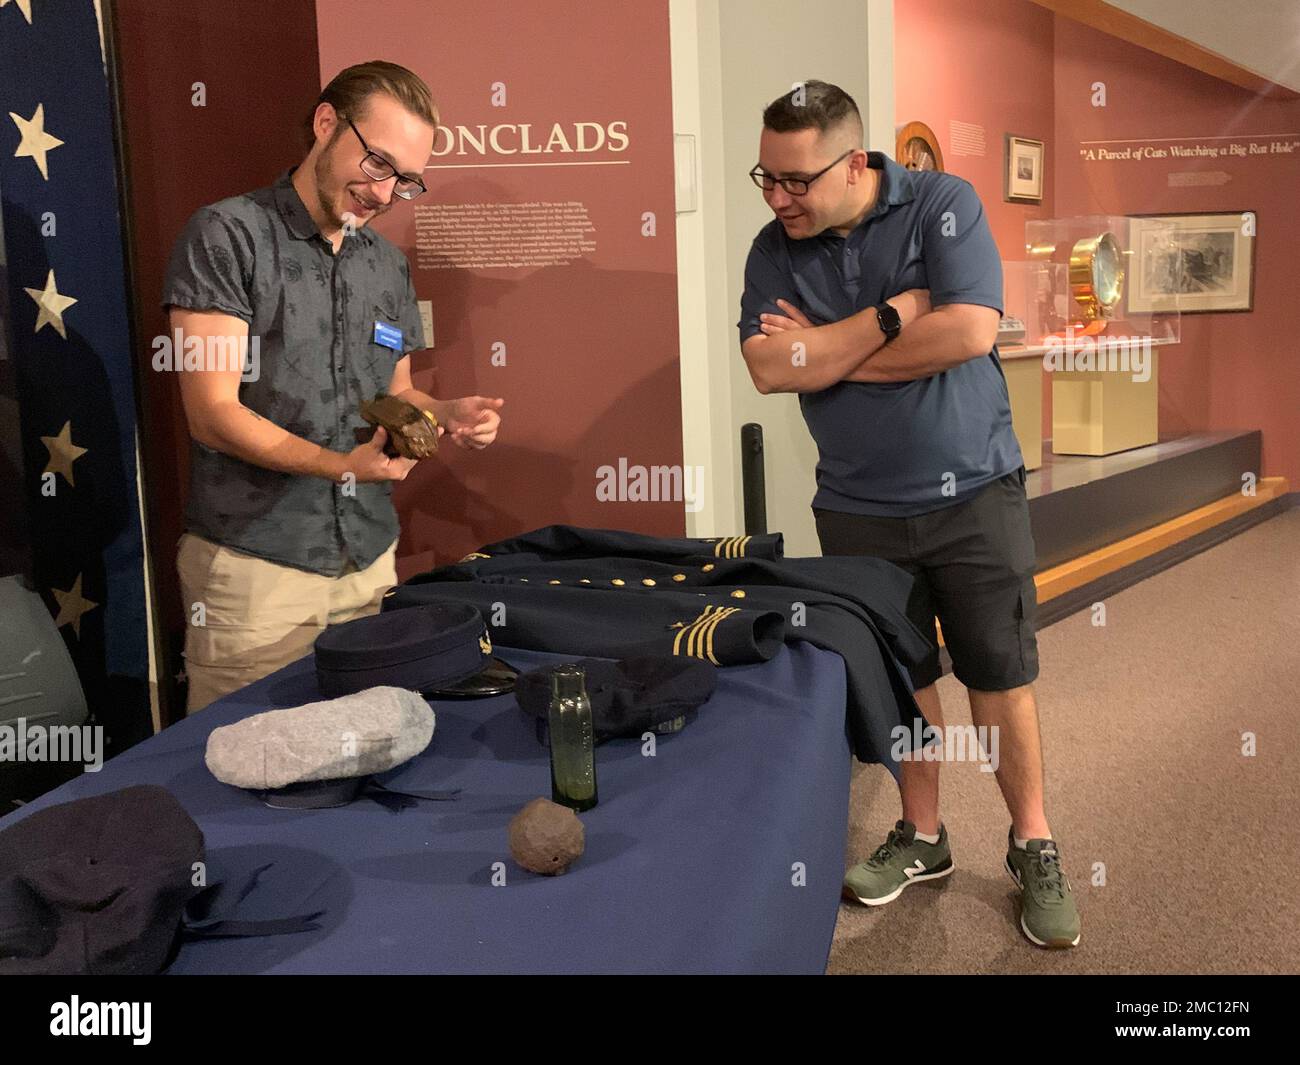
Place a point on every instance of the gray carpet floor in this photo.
(1183, 852)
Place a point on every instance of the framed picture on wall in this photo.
(1022, 181)
(1193, 263)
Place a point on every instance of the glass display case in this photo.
(1074, 283)
(1020, 349)
(1067, 307)
(1090, 262)
(1028, 307)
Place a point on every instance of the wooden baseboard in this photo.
(1106, 560)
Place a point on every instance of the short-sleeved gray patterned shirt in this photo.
(261, 258)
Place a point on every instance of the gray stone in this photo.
(352, 736)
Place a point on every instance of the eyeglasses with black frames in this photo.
(377, 168)
(794, 186)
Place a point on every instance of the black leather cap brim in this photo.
(314, 794)
(496, 678)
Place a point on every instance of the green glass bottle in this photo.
(573, 740)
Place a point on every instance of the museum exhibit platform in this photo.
(1103, 523)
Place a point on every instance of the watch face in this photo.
(1107, 272)
(1096, 275)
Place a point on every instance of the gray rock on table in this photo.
(352, 736)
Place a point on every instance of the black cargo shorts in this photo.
(973, 567)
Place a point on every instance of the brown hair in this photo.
(814, 105)
(351, 88)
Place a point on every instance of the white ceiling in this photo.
(1262, 35)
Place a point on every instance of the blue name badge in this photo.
(387, 335)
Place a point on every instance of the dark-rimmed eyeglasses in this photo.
(377, 168)
(793, 185)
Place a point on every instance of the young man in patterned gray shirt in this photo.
(290, 524)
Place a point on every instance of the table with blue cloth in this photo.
(722, 852)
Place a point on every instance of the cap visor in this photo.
(314, 794)
(495, 678)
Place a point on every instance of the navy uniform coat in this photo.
(729, 600)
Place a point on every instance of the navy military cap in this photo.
(431, 648)
(97, 885)
(628, 696)
(322, 754)
(109, 885)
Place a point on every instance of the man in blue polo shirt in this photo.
(875, 294)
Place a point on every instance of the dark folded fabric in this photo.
(570, 541)
(107, 885)
(434, 647)
(619, 595)
(628, 696)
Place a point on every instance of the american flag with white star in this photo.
(71, 532)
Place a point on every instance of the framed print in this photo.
(917, 148)
(1022, 181)
(1193, 263)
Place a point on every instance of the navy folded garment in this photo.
(609, 594)
(628, 696)
(432, 646)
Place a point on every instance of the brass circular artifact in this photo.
(1097, 275)
(917, 148)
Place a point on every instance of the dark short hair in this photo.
(350, 90)
(811, 105)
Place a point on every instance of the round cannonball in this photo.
(546, 837)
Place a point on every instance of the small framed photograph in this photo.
(1193, 263)
(1023, 180)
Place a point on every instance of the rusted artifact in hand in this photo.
(412, 432)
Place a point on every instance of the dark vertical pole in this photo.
(752, 478)
(169, 707)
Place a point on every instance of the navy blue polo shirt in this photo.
(904, 447)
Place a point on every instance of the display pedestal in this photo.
(1100, 412)
(1079, 504)
(1025, 389)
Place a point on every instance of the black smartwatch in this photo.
(889, 320)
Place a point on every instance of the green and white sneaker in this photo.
(1048, 915)
(901, 860)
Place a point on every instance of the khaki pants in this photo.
(247, 617)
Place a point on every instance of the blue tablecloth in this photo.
(722, 853)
